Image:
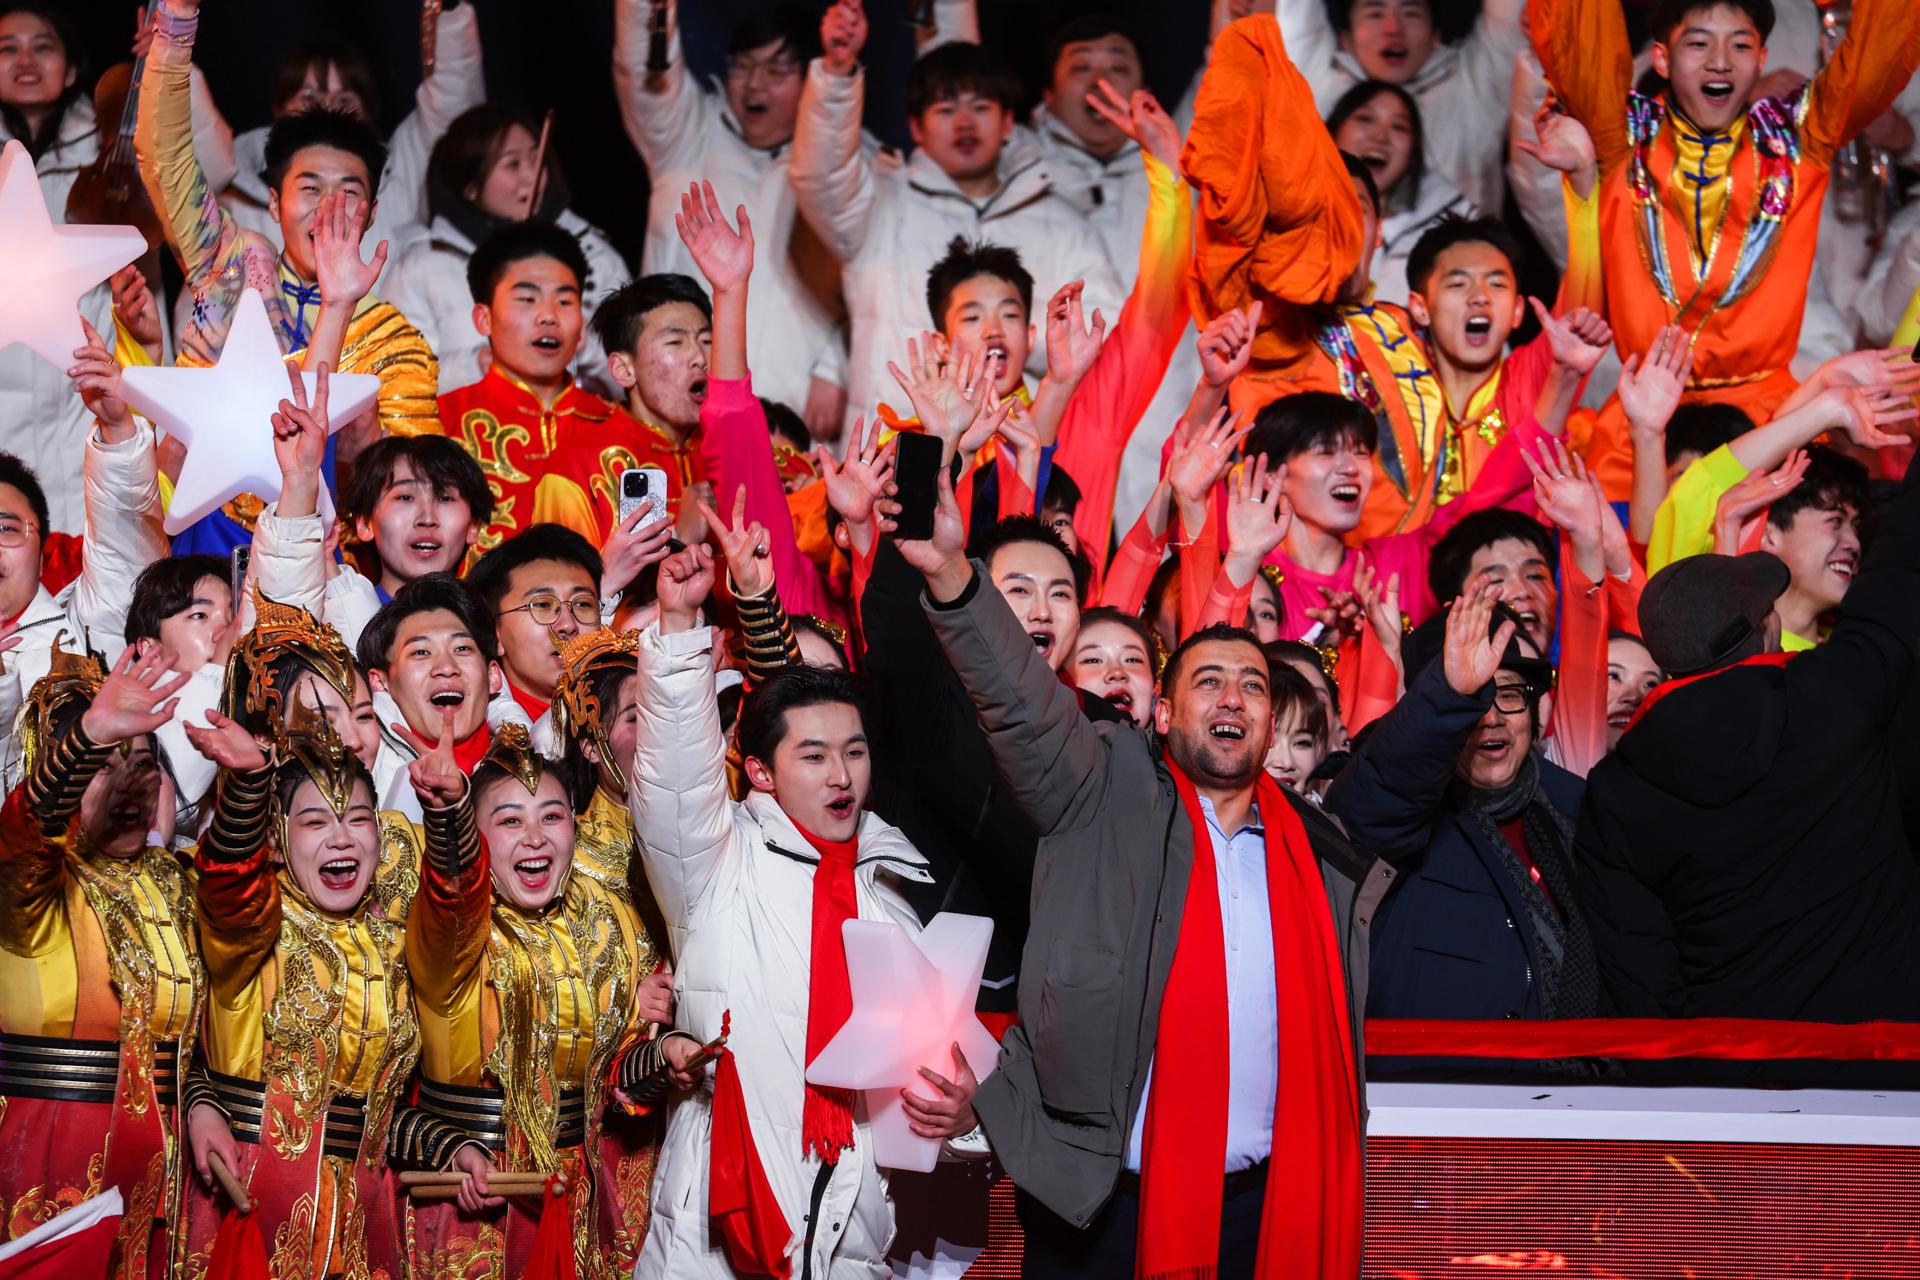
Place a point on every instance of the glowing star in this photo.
(224, 415)
(49, 267)
(911, 1004)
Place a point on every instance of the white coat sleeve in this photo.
(1487, 54)
(124, 533)
(456, 86)
(289, 559)
(954, 22)
(1891, 278)
(669, 117)
(833, 179)
(193, 773)
(1311, 44)
(678, 797)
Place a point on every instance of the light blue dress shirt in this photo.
(1253, 1024)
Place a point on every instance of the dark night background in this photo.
(557, 54)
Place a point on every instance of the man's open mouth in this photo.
(1042, 640)
(1393, 53)
(1494, 747)
(1479, 329)
(425, 548)
(1228, 731)
(1717, 90)
(1843, 568)
(841, 808)
(546, 342)
(447, 698)
(697, 390)
(1345, 493)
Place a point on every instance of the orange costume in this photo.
(558, 462)
(1280, 223)
(1723, 225)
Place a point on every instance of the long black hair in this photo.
(39, 141)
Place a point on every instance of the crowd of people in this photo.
(437, 866)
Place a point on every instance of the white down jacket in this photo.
(735, 883)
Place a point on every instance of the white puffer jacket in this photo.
(123, 537)
(735, 883)
(890, 226)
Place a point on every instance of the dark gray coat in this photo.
(1109, 887)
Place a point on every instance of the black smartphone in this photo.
(916, 472)
(238, 562)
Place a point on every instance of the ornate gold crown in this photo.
(70, 678)
(512, 750)
(282, 630)
(311, 744)
(577, 709)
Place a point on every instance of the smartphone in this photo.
(238, 562)
(916, 471)
(643, 487)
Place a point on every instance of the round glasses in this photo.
(13, 533)
(1511, 699)
(545, 610)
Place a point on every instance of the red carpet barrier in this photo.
(1745, 1039)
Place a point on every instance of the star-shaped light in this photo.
(911, 1005)
(224, 415)
(46, 268)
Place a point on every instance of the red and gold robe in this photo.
(556, 463)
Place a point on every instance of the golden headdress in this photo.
(311, 744)
(512, 751)
(71, 678)
(281, 630)
(578, 712)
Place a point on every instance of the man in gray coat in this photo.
(1070, 1109)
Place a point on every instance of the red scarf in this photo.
(469, 752)
(551, 1257)
(1310, 1225)
(743, 1210)
(1661, 691)
(826, 1120)
(534, 707)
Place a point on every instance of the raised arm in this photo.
(666, 115)
(236, 889)
(1584, 50)
(456, 85)
(833, 180)
(448, 919)
(681, 810)
(1053, 761)
(202, 234)
(120, 481)
(1863, 77)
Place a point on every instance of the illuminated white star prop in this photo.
(46, 268)
(224, 415)
(911, 1005)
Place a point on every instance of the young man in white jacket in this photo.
(754, 895)
(739, 139)
(888, 227)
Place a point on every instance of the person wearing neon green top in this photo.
(1815, 530)
(1862, 394)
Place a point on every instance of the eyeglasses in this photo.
(1511, 699)
(775, 71)
(545, 610)
(13, 533)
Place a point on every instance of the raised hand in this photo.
(943, 557)
(746, 546)
(630, 548)
(1380, 603)
(1342, 615)
(1561, 488)
(1616, 549)
(1226, 343)
(1650, 388)
(436, 777)
(843, 34)
(1198, 464)
(1013, 426)
(300, 442)
(945, 396)
(1258, 516)
(691, 525)
(854, 485)
(1470, 659)
(338, 226)
(724, 256)
(1864, 413)
(1071, 343)
(95, 375)
(686, 580)
(1578, 339)
(1141, 118)
(1746, 500)
(226, 743)
(1564, 144)
(1877, 367)
(135, 699)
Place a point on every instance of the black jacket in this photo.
(935, 776)
(1453, 939)
(1742, 850)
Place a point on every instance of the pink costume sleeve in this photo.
(1225, 602)
(738, 450)
(1199, 565)
(1580, 696)
(1134, 563)
(1110, 401)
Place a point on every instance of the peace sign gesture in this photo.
(746, 546)
(300, 434)
(436, 779)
